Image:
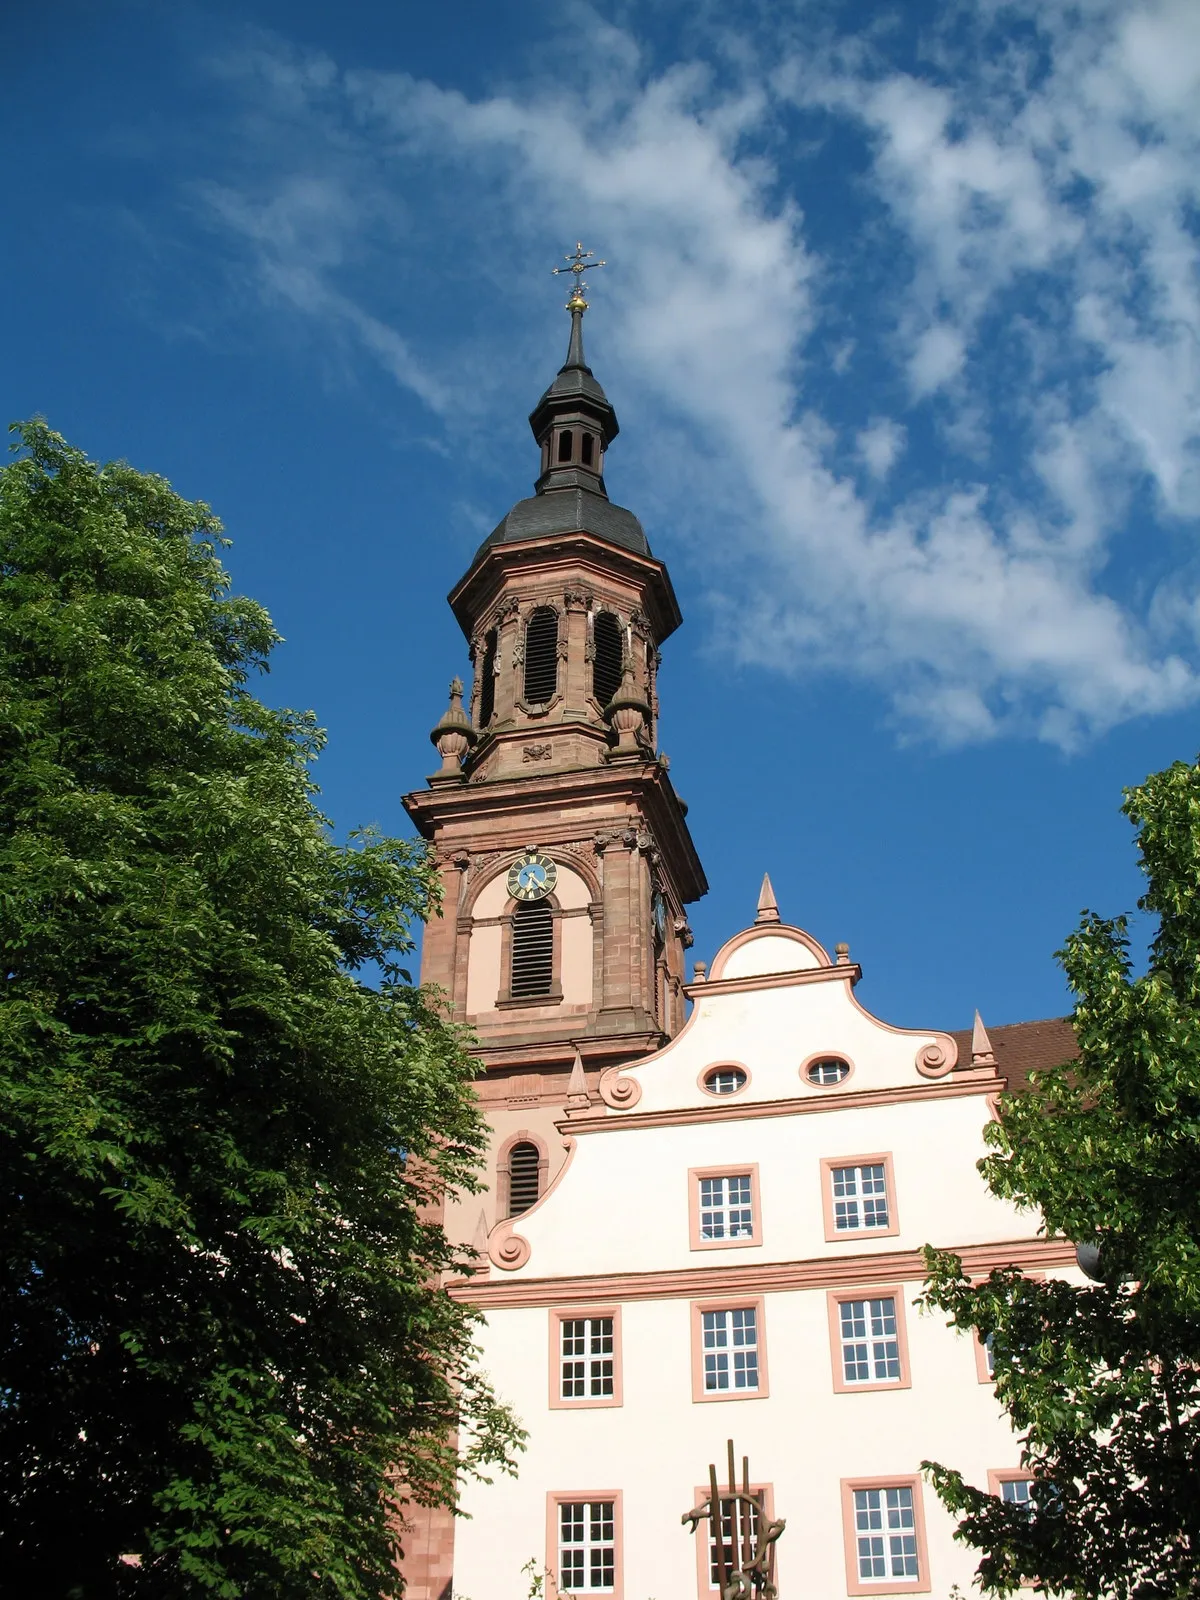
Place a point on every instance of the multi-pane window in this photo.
(725, 1080)
(885, 1534)
(1016, 1492)
(730, 1349)
(869, 1340)
(586, 1370)
(746, 1535)
(587, 1547)
(860, 1198)
(831, 1070)
(989, 1355)
(726, 1207)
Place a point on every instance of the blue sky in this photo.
(902, 323)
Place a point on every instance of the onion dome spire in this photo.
(574, 422)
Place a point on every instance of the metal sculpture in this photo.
(746, 1562)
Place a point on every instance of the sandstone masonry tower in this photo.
(563, 847)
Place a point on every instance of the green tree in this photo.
(223, 1347)
(1103, 1381)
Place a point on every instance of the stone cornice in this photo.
(950, 1088)
(760, 1277)
(643, 786)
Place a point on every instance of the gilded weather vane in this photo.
(582, 261)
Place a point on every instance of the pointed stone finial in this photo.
(479, 1243)
(577, 1089)
(628, 713)
(454, 734)
(768, 909)
(982, 1054)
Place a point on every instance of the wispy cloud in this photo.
(958, 528)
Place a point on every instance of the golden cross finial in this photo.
(582, 261)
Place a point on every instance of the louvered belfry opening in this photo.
(606, 668)
(524, 1178)
(487, 680)
(532, 949)
(541, 656)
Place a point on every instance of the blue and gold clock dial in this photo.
(532, 876)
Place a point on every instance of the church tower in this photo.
(565, 856)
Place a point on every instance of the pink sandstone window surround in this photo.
(706, 1544)
(724, 1209)
(504, 1173)
(883, 1524)
(724, 1079)
(531, 954)
(868, 1339)
(827, 1069)
(729, 1350)
(858, 1197)
(585, 1358)
(584, 1541)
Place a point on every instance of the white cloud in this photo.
(1043, 313)
(881, 444)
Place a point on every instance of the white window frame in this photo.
(723, 1341)
(592, 1517)
(596, 1362)
(880, 1346)
(722, 1217)
(885, 1530)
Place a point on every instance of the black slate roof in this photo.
(571, 510)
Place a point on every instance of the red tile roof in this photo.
(1024, 1047)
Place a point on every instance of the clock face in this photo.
(532, 876)
(659, 906)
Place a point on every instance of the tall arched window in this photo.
(564, 445)
(524, 1177)
(532, 949)
(541, 655)
(487, 680)
(606, 668)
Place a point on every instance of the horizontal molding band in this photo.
(965, 1082)
(768, 1277)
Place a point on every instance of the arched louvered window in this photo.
(587, 448)
(524, 1177)
(606, 668)
(541, 655)
(532, 949)
(487, 680)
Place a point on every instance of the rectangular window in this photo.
(585, 1357)
(867, 1339)
(729, 1352)
(723, 1207)
(1014, 1488)
(885, 1536)
(707, 1571)
(870, 1349)
(587, 1546)
(859, 1197)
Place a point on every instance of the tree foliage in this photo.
(1103, 1381)
(223, 1348)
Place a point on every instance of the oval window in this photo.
(828, 1070)
(724, 1080)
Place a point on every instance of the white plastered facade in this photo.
(618, 1229)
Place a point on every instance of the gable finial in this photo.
(768, 909)
(982, 1054)
(578, 1103)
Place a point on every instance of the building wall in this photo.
(616, 1231)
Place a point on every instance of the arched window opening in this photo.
(541, 655)
(532, 949)
(587, 448)
(606, 668)
(564, 445)
(487, 680)
(524, 1178)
